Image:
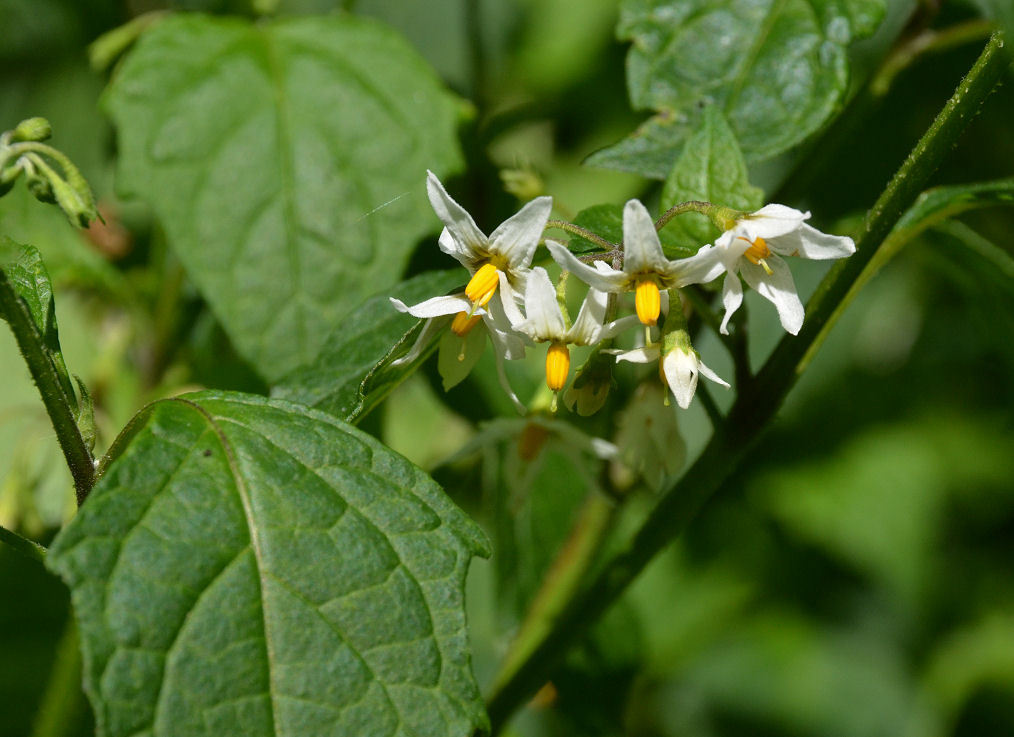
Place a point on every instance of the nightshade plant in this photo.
(241, 557)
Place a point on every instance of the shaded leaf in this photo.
(286, 161)
(334, 381)
(710, 168)
(249, 567)
(776, 68)
(940, 203)
(607, 221)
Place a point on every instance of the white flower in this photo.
(506, 345)
(679, 369)
(646, 270)
(753, 248)
(508, 251)
(544, 321)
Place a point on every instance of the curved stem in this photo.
(27, 548)
(681, 208)
(583, 233)
(755, 405)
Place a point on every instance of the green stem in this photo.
(692, 206)
(755, 404)
(58, 404)
(63, 703)
(28, 548)
(583, 233)
(562, 580)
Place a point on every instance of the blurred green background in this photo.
(858, 580)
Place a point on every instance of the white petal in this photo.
(642, 251)
(772, 221)
(426, 335)
(501, 375)
(544, 320)
(507, 303)
(808, 242)
(680, 370)
(732, 298)
(777, 288)
(604, 449)
(614, 328)
(463, 229)
(436, 306)
(506, 343)
(603, 278)
(588, 325)
(730, 246)
(517, 237)
(637, 355)
(709, 374)
(451, 247)
(704, 266)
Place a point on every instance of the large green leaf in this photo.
(250, 567)
(777, 68)
(286, 161)
(334, 381)
(711, 168)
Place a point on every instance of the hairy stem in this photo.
(27, 548)
(755, 404)
(583, 233)
(54, 397)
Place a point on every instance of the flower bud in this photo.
(32, 129)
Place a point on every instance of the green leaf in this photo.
(286, 161)
(607, 221)
(941, 203)
(776, 68)
(249, 567)
(711, 168)
(345, 380)
(22, 268)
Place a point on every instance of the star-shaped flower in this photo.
(753, 248)
(544, 322)
(646, 270)
(508, 250)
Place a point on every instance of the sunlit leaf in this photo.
(711, 168)
(250, 567)
(286, 161)
(776, 68)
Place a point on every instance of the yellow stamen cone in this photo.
(482, 286)
(557, 366)
(463, 323)
(648, 301)
(757, 252)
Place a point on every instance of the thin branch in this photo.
(756, 404)
(586, 234)
(27, 548)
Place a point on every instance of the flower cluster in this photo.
(518, 305)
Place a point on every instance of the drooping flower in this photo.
(507, 251)
(544, 322)
(437, 313)
(753, 248)
(679, 367)
(646, 271)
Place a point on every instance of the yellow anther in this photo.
(647, 300)
(463, 323)
(557, 366)
(482, 286)
(757, 252)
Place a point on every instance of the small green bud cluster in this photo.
(49, 174)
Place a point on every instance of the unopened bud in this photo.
(41, 188)
(32, 129)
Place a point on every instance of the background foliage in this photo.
(857, 581)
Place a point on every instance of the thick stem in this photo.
(755, 405)
(692, 206)
(58, 404)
